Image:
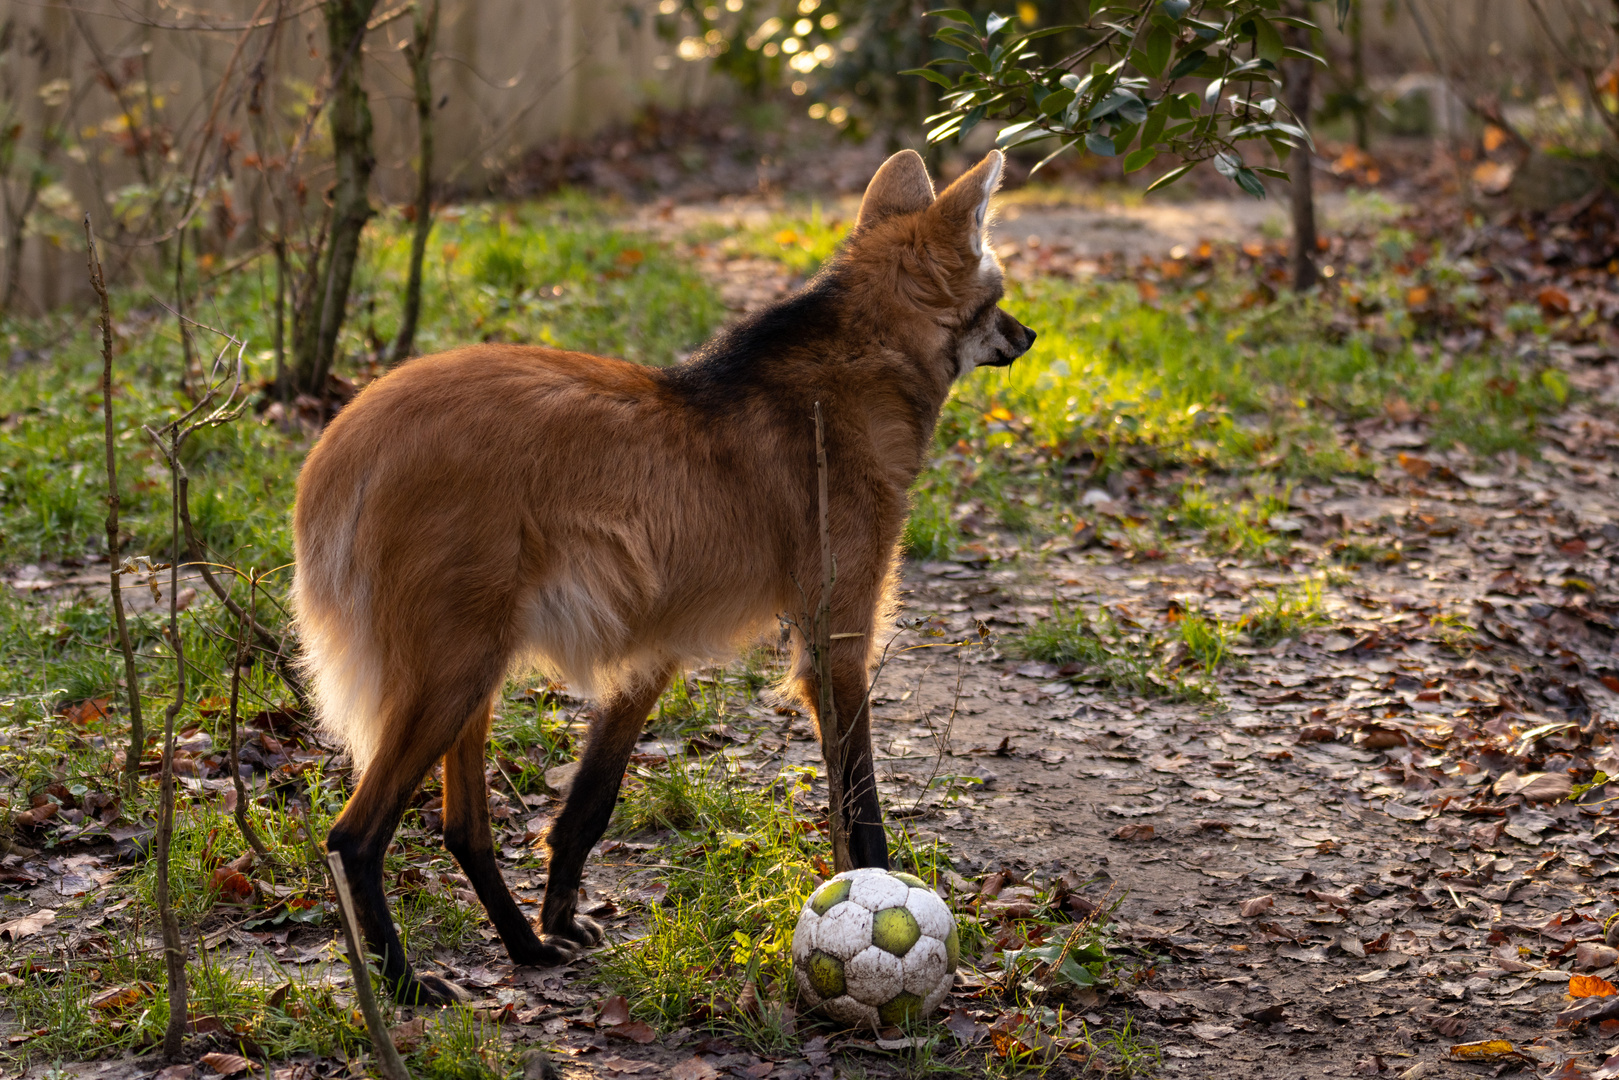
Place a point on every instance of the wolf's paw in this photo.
(546, 950)
(585, 931)
(422, 989)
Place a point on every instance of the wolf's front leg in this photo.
(868, 843)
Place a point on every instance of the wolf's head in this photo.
(926, 263)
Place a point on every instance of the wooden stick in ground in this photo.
(833, 741)
(249, 833)
(174, 957)
(392, 1065)
(132, 677)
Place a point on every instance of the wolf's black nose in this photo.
(1032, 336)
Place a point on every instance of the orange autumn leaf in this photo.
(1582, 986)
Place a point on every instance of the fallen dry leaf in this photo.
(614, 1011)
(636, 1031)
(1135, 832)
(119, 997)
(693, 1068)
(28, 925)
(408, 1035)
(226, 1064)
(1257, 905)
(1590, 956)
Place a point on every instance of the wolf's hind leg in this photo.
(584, 816)
(468, 837)
(418, 737)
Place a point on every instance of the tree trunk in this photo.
(1299, 75)
(317, 322)
(421, 55)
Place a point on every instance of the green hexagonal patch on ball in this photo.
(894, 930)
(952, 948)
(825, 973)
(910, 879)
(904, 1008)
(829, 896)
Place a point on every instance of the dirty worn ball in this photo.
(875, 948)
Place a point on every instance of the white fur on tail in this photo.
(332, 611)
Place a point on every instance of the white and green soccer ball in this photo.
(875, 948)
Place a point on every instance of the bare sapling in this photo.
(170, 438)
(392, 1065)
(419, 50)
(132, 678)
(278, 650)
(244, 641)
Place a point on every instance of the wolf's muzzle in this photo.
(1018, 338)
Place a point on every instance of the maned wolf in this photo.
(612, 524)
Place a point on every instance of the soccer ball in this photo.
(875, 948)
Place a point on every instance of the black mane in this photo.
(738, 360)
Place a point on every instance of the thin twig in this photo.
(132, 678)
(249, 833)
(382, 1044)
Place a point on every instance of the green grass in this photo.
(274, 1013)
(799, 242)
(1286, 612)
(1123, 658)
(739, 862)
(1207, 640)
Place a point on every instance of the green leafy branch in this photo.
(1123, 91)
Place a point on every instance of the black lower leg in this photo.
(468, 837)
(589, 807)
(868, 843)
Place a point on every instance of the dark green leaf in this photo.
(1280, 174)
(1139, 159)
(1009, 134)
(1304, 54)
(1159, 44)
(1056, 101)
(931, 76)
(1187, 64)
(1076, 973)
(1250, 183)
(1154, 129)
(955, 15)
(1267, 41)
(1045, 160)
(1175, 8)
(1099, 144)
(1172, 175)
(1123, 102)
(1227, 165)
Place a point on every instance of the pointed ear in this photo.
(901, 186)
(964, 205)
